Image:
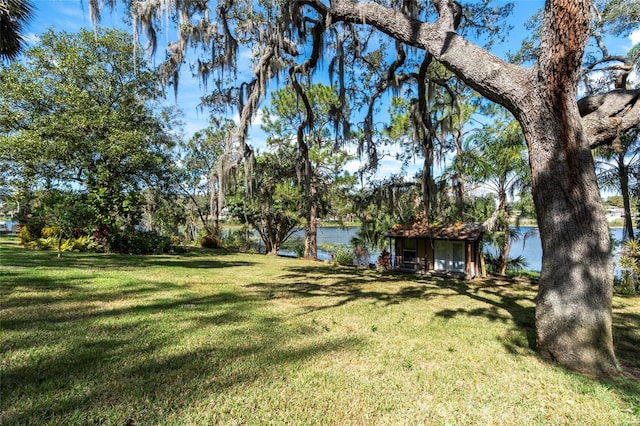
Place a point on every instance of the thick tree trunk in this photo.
(573, 307)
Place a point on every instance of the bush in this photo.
(43, 243)
(237, 240)
(140, 242)
(514, 264)
(210, 241)
(344, 256)
(83, 243)
(630, 264)
(50, 231)
(31, 231)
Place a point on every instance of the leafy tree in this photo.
(384, 204)
(320, 165)
(68, 214)
(573, 309)
(273, 205)
(209, 161)
(82, 111)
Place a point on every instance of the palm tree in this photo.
(498, 163)
(14, 15)
(617, 167)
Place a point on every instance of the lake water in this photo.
(530, 248)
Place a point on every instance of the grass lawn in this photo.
(214, 338)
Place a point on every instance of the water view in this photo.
(528, 245)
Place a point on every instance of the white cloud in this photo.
(32, 39)
(635, 37)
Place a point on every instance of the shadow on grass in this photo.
(76, 351)
(97, 362)
(500, 300)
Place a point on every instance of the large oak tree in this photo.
(573, 310)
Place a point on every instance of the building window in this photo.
(409, 251)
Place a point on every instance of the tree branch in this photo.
(606, 116)
(501, 82)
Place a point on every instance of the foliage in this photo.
(514, 264)
(274, 206)
(140, 242)
(296, 245)
(344, 256)
(615, 201)
(496, 160)
(208, 165)
(31, 231)
(51, 240)
(14, 17)
(630, 263)
(81, 111)
(383, 205)
(618, 167)
(238, 239)
(304, 115)
(210, 241)
(84, 243)
(384, 260)
(361, 253)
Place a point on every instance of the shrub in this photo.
(83, 243)
(384, 260)
(514, 264)
(140, 242)
(237, 240)
(344, 256)
(360, 251)
(31, 231)
(210, 241)
(50, 231)
(43, 243)
(630, 264)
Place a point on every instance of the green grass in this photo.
(216, 338)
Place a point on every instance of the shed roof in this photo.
(463, 231)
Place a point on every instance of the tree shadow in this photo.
(626, 336)
(103, 360)
(501, 300)
(504, 302)
(341, 285)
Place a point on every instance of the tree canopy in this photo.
(81, 114)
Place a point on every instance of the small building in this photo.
(451, 249)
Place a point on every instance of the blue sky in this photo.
(70, 15)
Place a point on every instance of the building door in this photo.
(449, 256)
